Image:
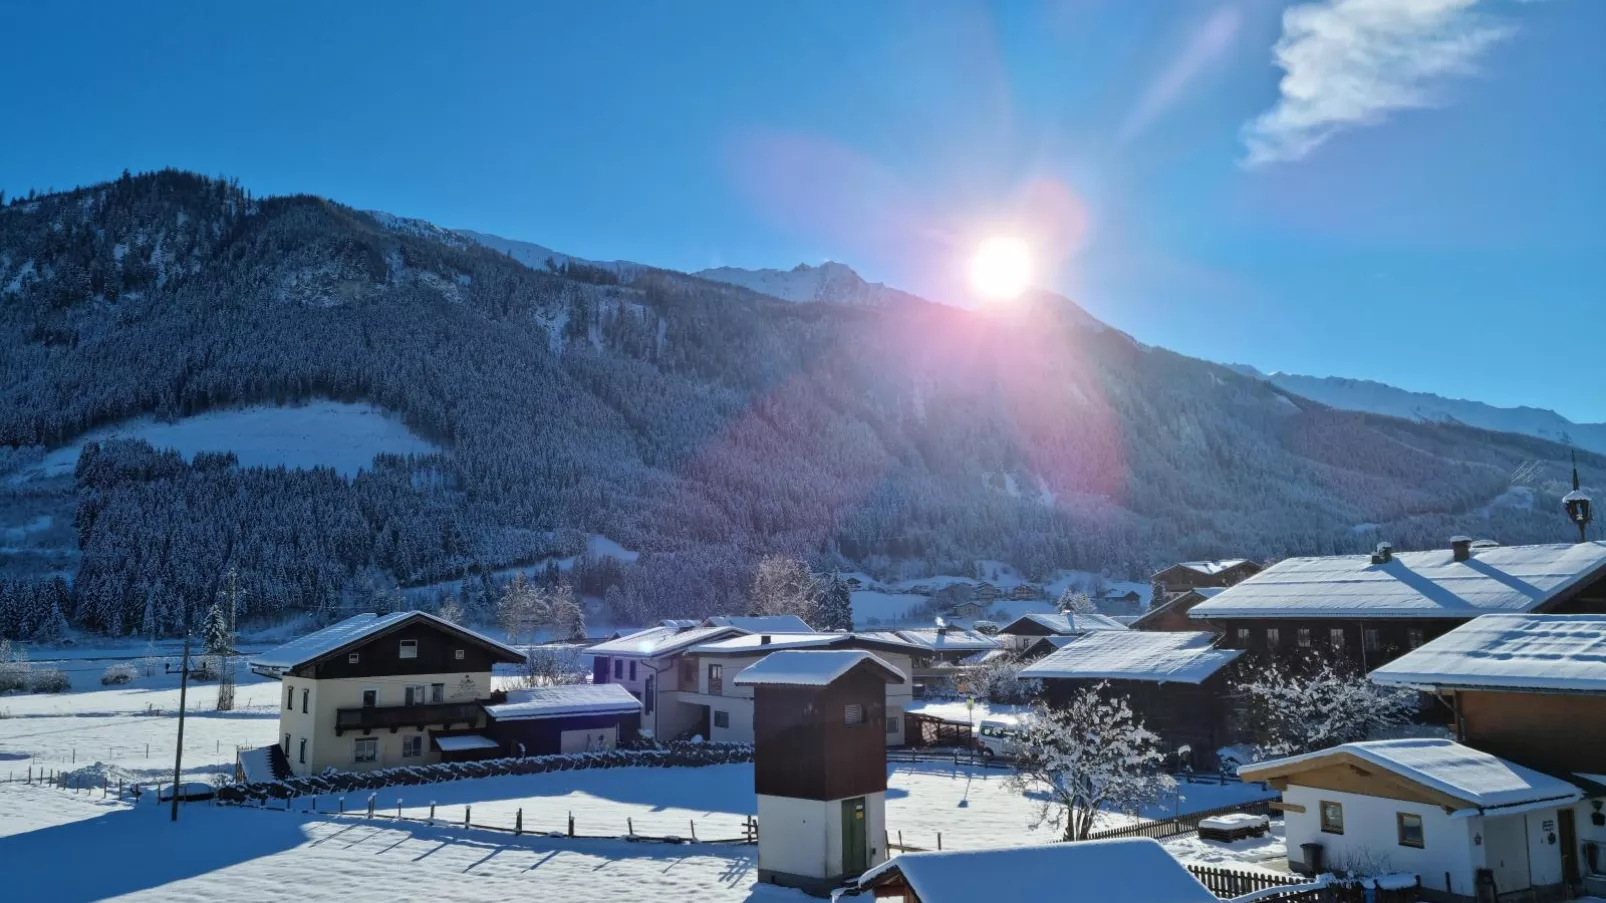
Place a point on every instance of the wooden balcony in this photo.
(445, 714)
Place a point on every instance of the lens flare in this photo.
(1001, 269)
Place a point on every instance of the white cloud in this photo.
(1350, 63)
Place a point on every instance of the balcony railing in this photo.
(369, 718)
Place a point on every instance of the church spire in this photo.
(1579, 506)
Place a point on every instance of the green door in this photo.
(855, 851)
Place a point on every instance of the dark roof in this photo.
(360, 629)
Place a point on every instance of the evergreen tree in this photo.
(215, 630)
(836, 604)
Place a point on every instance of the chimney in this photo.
(1461, 547)
(1384, 553)
(764, 639)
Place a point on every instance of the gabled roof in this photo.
(1209, 568)
(761, 623)
(567, 699)
(1474, 779)
(949, 639)
(656, 641)
(1158, 656)
(755, 643)
(812, 668)
(1180, 602)
(1131, 870)
(1432, 584)
(1067, 623)
(1556, 653)
(361, 628)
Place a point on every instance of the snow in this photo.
(570, 699)
(1133, 870)
(353, 629)
(958, 711)
(655, 641)
(811, 668)
(320, 433)
(830, 281)
(1066, 624)
(1528, 651)
(1234, 821)
(257, 764)
(873, 607)
(1481, 780)
(953, 639)
(761, 623)
(1502, 579)
(463, 742)
(1158, 656)
(1212, 568)
(1267, 853)
(535, 256)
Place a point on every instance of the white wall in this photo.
(804, 837)
(1371, 836)
(317, 725)
(1587, 832)
(1544, 847)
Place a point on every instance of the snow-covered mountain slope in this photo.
(830, 281)
(536, 256)
(1379, 398)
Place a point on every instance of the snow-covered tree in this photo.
(566, 616)
(517, 610)
(836, 604)
(998, 680)
(450, 610)
(215, 634)
(1087, 756)
(1076, 602)
(784, 586)
(547, 666)
(1301, 707)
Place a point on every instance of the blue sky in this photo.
(1422, 206)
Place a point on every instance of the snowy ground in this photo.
(1269, 853)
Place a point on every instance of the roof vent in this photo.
(1384, 553)
(1461, 547)
(764, 639)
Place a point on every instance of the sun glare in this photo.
(1002, 268)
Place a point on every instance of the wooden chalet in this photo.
(1186, 575)
(1173, 613)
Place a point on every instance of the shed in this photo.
(564, 719)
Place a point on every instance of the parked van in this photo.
(996, 738)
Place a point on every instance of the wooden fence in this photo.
(1186, 823)
(1230, 883)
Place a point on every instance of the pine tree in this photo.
(215, 630)
(836, 604)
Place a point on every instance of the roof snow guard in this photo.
(1432, 584)
(811, 668)
(1133, 870)
(1538, 653)
(357, 629)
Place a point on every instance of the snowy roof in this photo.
(567, 699)
(810, 668)
(755, 642)
(355, 629)
(955, 639)
(1186, 657)
(1180, 600)
(1476, 778)
(1412, 585)
(1533, 652)
(1132, 870)
(257, 764)
(1211, 568)
(762, 623)
(1067, 623)
(655, 641)
(1577, 495)
(462, 742)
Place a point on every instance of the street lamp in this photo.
(1580, 507)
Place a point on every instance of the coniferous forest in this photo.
(698, 423)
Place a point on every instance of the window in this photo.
(437, 692)
(1413, 637)
(353, 658)
(1410, 829)
(370, 698)
(722, 719)
(1335, 635)
(457, 654)
(415, 695)
(366, 750)
(716, 679)
(289, 696)
(1274, 637)
(853, 713)
(409, 649)
(304, 694)
(1302, 637)
(892, 724)
(648, 694)
(632, 669)
(302, 755)
(1373, 638)
(413, 747)
(618, 669)
(1332, 817)
(688, 673)
(1243, 637)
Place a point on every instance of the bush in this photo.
(48, 680)
(117, 674)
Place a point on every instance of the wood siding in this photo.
(1176, 579)
(380, 656)
(804, 748)
(543, 736)
(1551, 732)
(1393, 635)
(1197, 715)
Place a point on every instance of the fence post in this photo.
(398, 808)
(630, 826)
(432, 813)
(466, 811)
(518, 822)
(693, 829)
(571, 824)
(939, 840)
(342, 802)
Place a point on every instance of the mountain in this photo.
(830, 281)
(538, 257)
(1379, 398)
(700, 424)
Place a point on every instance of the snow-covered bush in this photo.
(1089, 755)
(149, 665)
(1290, 709)
(547, 666)
(13, 667)
(117, 674)
(48, 680)
(999, 680)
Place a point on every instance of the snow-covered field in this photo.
(317, 434)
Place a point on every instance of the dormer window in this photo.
(458, 654)
(352, 659)
(409, 649)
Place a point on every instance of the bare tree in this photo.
(784, 586)
(1297, 708)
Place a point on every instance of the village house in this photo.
(942, 654)
(1187, 575)
(728, 707)
(1367, 610)
(376, 691)
(1177, 684)
(1025, 630)
(1173, 613)
(1470, 825)
(1532, 689)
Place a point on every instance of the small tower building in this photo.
(1580, 507)
(820, 765)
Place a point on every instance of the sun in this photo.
(1002, 268)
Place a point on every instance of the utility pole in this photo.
(178, 758)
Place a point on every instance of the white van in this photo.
(996, 738)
